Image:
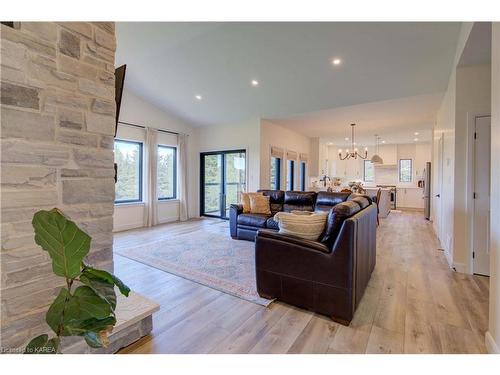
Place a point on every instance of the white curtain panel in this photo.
(182, 176)
(151, 207)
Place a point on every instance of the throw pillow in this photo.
(309, 227)
(297, 212)
(259, 204)
(245, 201)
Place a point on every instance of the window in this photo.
(290, 175)
(128, 159)
(303, 176)
(167, 172)
(275, 173)
(405, 172)
(369, 171)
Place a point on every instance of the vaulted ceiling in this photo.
(169, 64)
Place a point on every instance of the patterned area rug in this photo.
(208, 256)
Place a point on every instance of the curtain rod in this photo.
(144, 127)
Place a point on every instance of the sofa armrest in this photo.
(264, 234)
(234, 211)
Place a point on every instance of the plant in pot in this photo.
(86, 306)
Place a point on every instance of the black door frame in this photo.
(222, 208)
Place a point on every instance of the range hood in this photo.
(387, 166)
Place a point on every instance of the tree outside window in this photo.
(128, 157)
(167, 172)
(405, 170)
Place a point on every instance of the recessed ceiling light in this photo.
(336, 61)
(198, 97)
(346, 138)
(383, 141)
(255, 82)
(415, 139)
(416, 133)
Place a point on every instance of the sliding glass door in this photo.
(222, 180)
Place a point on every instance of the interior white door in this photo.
(481, 220)
(438, 199)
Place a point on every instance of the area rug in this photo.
(208, 256)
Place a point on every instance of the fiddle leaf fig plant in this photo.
(86, 306)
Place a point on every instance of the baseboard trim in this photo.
(121, 228)
(491, 345)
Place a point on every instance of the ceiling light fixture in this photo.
(383, 141)
(415, 139)
(376, 159)
(198, 97)
(416, 133)
(353, 153)
(336, 61)
(346, 138)
(255, 82)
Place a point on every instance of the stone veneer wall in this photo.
(57, 127)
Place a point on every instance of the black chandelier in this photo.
(353, 152)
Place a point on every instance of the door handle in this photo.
(438, 195)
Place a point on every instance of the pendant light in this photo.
(376, 159)
(353, 152)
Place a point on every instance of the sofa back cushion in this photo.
(299, 201)
(276, 199)
(336, 217)
(354, 196)
(309, 226)
(325, 200)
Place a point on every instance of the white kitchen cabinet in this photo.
(409, 198)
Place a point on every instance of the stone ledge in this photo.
(134, 320)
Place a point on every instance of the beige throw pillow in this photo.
(245, 201)
(309, 227)
(259, 204)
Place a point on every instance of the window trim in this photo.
(277, 181)
(141, 169)
(364, 171)
(411, 170)
(175, 173)
(303, 166)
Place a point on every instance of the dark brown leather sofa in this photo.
(244, 226)
(327, 276)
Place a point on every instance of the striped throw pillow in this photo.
(309, 227)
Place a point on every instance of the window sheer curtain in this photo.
(151, 206)
(182, 140)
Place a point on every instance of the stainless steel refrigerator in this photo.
(427, 190)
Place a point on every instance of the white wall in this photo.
(443, 207)
(245, 135)
(137, 111)
(472, 97)
(275, 135)
(493, 334)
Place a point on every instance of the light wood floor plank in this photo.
(414, 303)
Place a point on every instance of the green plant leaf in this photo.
(102, 288)
(66, 244)
(93, 339)
(80, 327)
(42, 345)
(86, 304)
(107, 277)
(54, 313)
